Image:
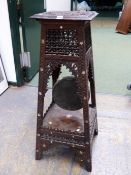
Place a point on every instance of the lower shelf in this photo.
(67, 127)
(65, 120)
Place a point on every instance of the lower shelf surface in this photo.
(66, 120)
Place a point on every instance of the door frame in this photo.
(14, 27)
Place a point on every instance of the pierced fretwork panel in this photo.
(62, 42)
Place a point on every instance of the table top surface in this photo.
(66, 15)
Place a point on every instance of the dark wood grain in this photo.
(66, 40)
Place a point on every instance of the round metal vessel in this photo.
(65, 94)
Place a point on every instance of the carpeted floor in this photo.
(112, 60)
(111, 57)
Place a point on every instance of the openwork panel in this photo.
(62, 42)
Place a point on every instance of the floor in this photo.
(111, 148)
(111, 57)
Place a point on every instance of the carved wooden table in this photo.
(66, 40)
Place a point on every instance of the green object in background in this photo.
(19, 13)
(14, 25)
(112, 60)
(31, 35)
